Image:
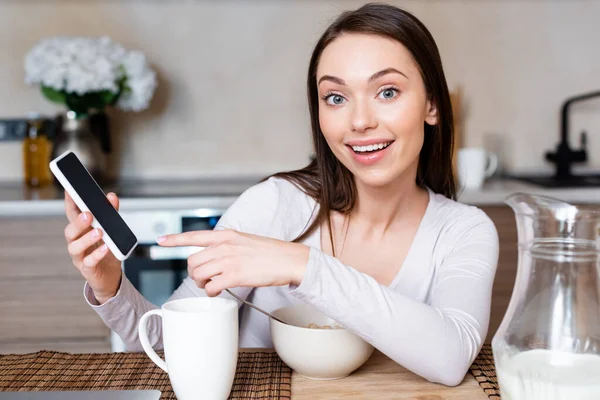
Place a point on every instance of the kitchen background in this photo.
(231, 106)
(231, 91)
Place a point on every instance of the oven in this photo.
(157, 271)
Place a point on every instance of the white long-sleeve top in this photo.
(431, 319)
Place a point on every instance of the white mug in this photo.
(200, 336)
(475, 165)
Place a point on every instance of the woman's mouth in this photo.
(370, 154)
(372, 148)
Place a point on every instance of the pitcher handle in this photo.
(143, 334)
(492, 164)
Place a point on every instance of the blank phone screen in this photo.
(96, 201)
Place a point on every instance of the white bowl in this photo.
(322, 354)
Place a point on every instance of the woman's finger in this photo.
(71, 209)
(78, 226)
(205, 273)
(92, 260)
(231, 277)
(216, 285)
(79, 247)
(208, 254)
(198, 238)
(114, 200)
(197, 259)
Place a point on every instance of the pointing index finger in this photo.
(193, 238)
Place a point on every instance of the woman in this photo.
(368, 233)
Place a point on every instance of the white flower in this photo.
(80, 65)
(141, 82)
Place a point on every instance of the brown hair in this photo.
(326, 179)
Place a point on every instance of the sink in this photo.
(553, 182)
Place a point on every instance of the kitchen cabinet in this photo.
(41, 292)
(504, 219)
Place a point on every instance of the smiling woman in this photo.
(368, 233)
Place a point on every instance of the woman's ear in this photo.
(431, 116)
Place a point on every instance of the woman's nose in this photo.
(362, 118)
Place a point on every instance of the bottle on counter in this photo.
(37, 149)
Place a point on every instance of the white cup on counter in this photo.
(200, 337)
(475, 165)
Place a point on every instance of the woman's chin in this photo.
(375, 179)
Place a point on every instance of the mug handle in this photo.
(143, 335)
(492, 164)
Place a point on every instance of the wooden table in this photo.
(382, 378)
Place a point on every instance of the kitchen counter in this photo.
(18, 200)
(496, 190)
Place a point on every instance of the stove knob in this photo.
(160, 228)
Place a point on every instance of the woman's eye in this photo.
(335, 99)
(388, 93)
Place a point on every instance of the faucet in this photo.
(564, 156)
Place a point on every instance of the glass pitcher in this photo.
(548, 344)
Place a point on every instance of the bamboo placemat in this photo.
(484, 371)
(259, 375)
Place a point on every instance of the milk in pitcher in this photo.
(549, 375)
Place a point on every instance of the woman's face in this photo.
(372, 107)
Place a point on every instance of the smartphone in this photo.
(88, 196)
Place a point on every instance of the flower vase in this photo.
(75, 134)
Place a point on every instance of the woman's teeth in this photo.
(371, 147)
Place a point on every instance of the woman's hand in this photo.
(97, 264)
(234, 259)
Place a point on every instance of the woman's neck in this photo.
(380, 207)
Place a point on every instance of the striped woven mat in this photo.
(259, 375)
(484, 371)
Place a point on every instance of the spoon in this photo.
(256, 308)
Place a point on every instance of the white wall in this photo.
(232, 98)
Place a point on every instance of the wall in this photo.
(232, 99)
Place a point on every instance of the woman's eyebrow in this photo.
(384, 72)
(373, 77)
